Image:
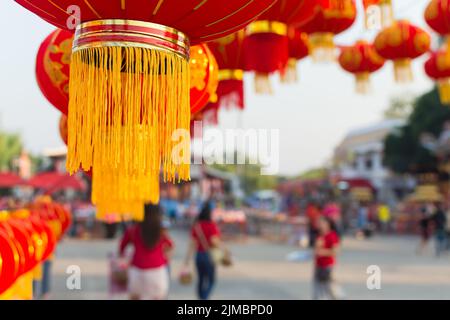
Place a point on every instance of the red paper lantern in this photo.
(437, 67)
(46, 234)
(328, 18)
(267, 44)
(53, 68)
(63, 129)
(437, 15)
(401, 42)
(361, 59)
(10, 261)
(298, 50)
(129, 86)
(378, 13)
(229, 54)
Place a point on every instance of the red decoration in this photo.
(322, 21)
(437, 67)
(201, 20)
(401, 42)
(53, 68)
(229, 53)
(437, 15)
(267, 44)
(298, 50)
(9, 268)
(361, 59)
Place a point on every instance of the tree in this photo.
(400, 108)
(404, 152)
(10, 148)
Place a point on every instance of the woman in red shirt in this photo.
(205, 235)
(148, 274)
(326, 248)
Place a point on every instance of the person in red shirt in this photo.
(313, 213)
(205, 235)
(325, 250)
(148, 274)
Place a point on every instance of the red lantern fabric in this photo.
(201, 20)
(53, 68)
(361, 59)
(267, 45)
(298, 50)
(204, 77)
(10, 263)
(229, 54)
(401, 42)
(323, 20)
(46, 233)
(437, 67)
(63, 129)
(437, 16)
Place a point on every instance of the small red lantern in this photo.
(437, 16)
(229, 53)
(327, 19)
(378, 13)
(401, 42)
(437, 67)
(361, 59)
(53, 68)
(298, 50)
(267, 44)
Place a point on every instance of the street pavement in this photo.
(262, 271)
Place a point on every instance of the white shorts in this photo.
(148, 284)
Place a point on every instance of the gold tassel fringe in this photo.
(125, 104)
(290, 74)
(403, 71)
(263, 84)
(362, 83)
(322, 48)
(444, 90)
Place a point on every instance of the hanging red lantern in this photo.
(266, 46)
(9, 261)
(298, 50)
(53, 68)
(402, 42)
(437, 67)
(378, 13)
(437, 16)
(129, 86)
(229, 53)
(361, 59)
(327, 19)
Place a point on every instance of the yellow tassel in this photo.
(263, 84)
(290, 74)
(125, 104)
(403, 71)
(322, 48)
(444, 90)
(362, 82)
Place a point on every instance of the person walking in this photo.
(424, 226)
(313, 214)
(148, 277)
(384, 217)
(325, 251)
(205, 238)
(440, 222)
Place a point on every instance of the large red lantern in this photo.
(401, 42)
(267, 44)
(129, 86)
(437, 67)
(361, 59)
(327, 19)
(378, 13)
(437, 15)
(298, 50)
(53, 68)
(229, 53)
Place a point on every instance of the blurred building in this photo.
(360, 156)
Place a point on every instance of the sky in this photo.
(313, 115)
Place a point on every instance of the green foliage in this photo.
(10, 148)
(400, 108)
(317, 173)
(404, 152)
